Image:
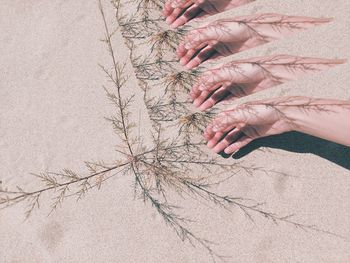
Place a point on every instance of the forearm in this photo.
(323, 118)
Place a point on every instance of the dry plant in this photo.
(171, 163)
(169, 104)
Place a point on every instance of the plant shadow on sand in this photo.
(301, 143)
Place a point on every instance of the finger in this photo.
(206, 95)
(210, 79)
(208, 133)
(215, 139)
(195, 92)
(199, 100)
(167, 9)
(205, 54)
(217, 96)
(188, 15)
(198, 36)
(236, 146)
(175, 14)
(225, 120)
(181, 50)
(227, 140)
(190, 54)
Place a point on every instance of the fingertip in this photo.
(180, 51)
(180, 21)
(189, 66)
(216, 128)
(206, 136)
(196, 103)
(202, 87)
(191, 94)
(203, 107)
(173, 26)
(217, 149)
(210, 144)
(193, 63)
(168, 20)
(227, 150)
(231, 150)
(183, 61)
(206, 105)
(187, 45)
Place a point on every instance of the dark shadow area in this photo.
(301, 143)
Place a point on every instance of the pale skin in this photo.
(180, 12)
(233, 129)
(229, 36)
(244, 77)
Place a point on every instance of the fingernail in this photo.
(187, 45)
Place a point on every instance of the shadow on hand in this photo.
(301, 143)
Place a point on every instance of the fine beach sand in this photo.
(52, 109)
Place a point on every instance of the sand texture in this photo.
(52, 109)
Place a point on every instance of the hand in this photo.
(244, 77)
(229, 82)
(233, 129)
(179, 12)
(225, 37)
(324, 118)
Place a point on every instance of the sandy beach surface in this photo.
(52, 109)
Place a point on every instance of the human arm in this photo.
(235, 128)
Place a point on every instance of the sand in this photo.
(51, 116)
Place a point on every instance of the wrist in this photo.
(292, 111)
